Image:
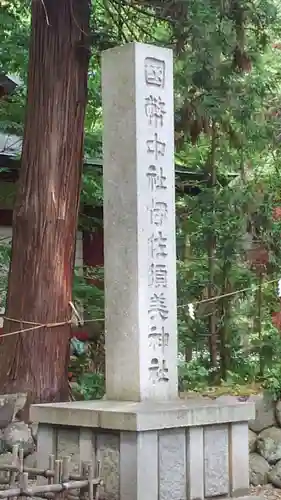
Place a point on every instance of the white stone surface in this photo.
(148, 462)
(216, 461)
(180, 463)
(128, 465)
(46, 445)
(108, 454)
(172, 464)
(139, 223)
(68, 446)
(239, 458)
(87, 445)
(195, 463)
(148, 415)
(139, 465)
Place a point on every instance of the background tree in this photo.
(46, 209)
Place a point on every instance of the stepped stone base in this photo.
(181, 450)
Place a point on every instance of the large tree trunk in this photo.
(46, 209)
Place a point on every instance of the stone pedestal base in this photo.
(182, 450)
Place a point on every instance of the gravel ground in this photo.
(268, 492)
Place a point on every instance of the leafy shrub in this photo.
(91, 385)
(193, 375)
(272, 382)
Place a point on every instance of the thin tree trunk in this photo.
(212, 253)
(225, 352)
(46, 209)
(213, 314)
(188, 349)
(258, 323)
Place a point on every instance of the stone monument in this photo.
(151, 444)
(139, 224)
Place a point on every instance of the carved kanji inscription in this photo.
(154, 72)
(155, 111)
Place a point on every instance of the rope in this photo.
(236, 292)
(37, 326)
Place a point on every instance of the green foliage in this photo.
(272, 382)
(87, 294)
(193, 376)
(91, 386)
(226, 110)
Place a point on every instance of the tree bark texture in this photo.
(46, 209)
